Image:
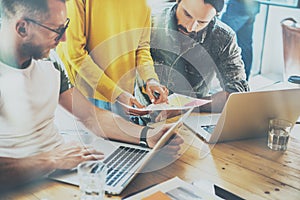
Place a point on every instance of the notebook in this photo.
(124, 161)
(246, 115)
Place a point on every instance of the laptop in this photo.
(124, 161)
(246, 115)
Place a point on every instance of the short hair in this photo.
(37, 8)
(217, 4)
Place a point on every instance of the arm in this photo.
(231, 74)
(17, 171)
(231, 67)
(77, 58)
(105, 123)
(146, 66)
(101, 122)
(91, 116)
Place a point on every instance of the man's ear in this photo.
(21, 28)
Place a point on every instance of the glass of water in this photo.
(92, 176)
(278, 136)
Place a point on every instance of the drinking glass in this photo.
(278, 135)
(92, 176)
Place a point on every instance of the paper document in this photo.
(173, 189)
(175, 102)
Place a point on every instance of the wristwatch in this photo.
(143, 137)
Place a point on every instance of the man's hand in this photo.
(129, 100)
(17, 171)
(172, 146)
(69, 156)
(157, 93)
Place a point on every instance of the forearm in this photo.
(14, 172)
(108, 125)
(101, 122)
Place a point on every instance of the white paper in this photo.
(175, 102)
(176, 189)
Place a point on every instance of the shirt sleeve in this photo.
(144, 59)
(231, 68)
(65, 83)
(78, 56)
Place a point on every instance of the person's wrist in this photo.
(121, 96)
(152, 80)
(143, 137)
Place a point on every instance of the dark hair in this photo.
(37, 8)
(217, 4)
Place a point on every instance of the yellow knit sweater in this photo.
(107, 41)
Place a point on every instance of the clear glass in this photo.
(92, 176)
(278, 136)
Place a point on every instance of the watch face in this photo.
(143, 144)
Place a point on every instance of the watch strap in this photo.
(143, 136)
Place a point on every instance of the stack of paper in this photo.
(173, 189)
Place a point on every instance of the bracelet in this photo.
(143, 137)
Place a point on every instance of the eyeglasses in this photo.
(60, 31)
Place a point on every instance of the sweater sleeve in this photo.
(78, 58)
(144, 60)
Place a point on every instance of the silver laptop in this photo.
(246, 115)
(124, 161)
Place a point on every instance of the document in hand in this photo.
(175, 102)
(174, 188)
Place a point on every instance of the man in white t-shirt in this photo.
(30, 90)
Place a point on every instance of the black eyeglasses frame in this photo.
(59, 31)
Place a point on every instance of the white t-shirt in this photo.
(28, 99)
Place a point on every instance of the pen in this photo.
(156, 95)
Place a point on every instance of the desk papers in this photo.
(175, 102)
(173, 189)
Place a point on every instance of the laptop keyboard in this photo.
(120, 162)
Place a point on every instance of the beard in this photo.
(185, 31)
(34, 51)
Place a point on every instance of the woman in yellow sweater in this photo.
(107, 43)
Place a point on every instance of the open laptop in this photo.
(124, 161)
(246, 115)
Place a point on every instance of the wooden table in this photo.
(247, 168)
